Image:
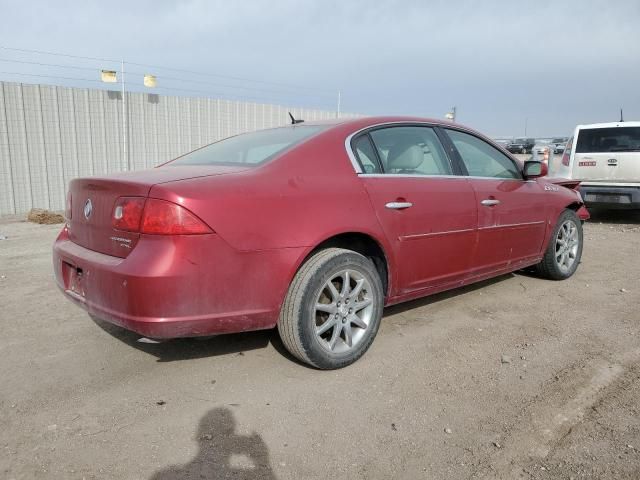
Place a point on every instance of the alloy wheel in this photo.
(567, 244)
(343, 311)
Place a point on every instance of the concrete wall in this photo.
(51, 134)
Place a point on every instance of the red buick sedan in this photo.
(313, 227)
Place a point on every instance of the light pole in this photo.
(451, 115)
(124, 121)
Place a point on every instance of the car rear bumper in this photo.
(607, 196)
(178, 286)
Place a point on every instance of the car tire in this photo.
(322, 322)
(564, 251)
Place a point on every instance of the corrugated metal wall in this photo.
(50, 134)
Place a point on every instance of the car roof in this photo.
(609, 125)
(375, 120)
(353, 125)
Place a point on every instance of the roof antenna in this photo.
(293, 120)
(621, 119)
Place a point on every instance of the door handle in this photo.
(398, 205)
(490, 202)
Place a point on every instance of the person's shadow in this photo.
(223, 453)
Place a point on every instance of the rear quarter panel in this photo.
(295, 201)
(299, 200)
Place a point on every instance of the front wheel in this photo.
(564, 251)
(333, 309)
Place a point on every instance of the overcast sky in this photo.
(503, 64)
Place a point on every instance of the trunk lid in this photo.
(93, 199)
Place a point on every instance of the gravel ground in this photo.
(515, 377)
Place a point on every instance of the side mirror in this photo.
(534, 169)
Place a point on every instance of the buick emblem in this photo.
(88, 208)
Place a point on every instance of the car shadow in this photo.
(190, 348)
(222, 452)
(618, 217)
(237, 343)
(439, 297)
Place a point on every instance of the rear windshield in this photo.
(618, 139)
(249, 148)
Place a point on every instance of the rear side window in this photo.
(482, 159)
(617, 139)
(366, 154)
(249, 148)
(410, 151)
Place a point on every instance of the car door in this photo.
(427, 212)
(512, 211)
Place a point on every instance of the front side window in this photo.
(482, 159)
(410, 151)
(605, 140)
(249, 148)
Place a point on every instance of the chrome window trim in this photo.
(413, 175)
(405, 175)
(347, 142)
(358, 169)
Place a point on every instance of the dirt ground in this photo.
(512, 378)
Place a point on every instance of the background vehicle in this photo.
(559, 143)
(542, 151)
(521, 145)
(313, 228)
(503, 142)
(606, 158)
(517, 146)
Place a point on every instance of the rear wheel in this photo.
(333, 309)
(565, 248)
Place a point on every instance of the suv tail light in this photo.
(566, 155)
(156, 217)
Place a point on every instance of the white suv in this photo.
(606, 158)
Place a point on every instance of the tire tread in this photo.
(291, 314)
(547, 267)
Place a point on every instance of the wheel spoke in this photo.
(326, 307)
(346, 284)
(334, 291)
(334, 337)
(326, 326)
(357, 321)
(357, 306)
(348, 337)
(358, 288)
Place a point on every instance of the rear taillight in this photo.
(166, 218)
(545, 155)
(156, 217)
(567, 153)
(127, 213)
(67, 207)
